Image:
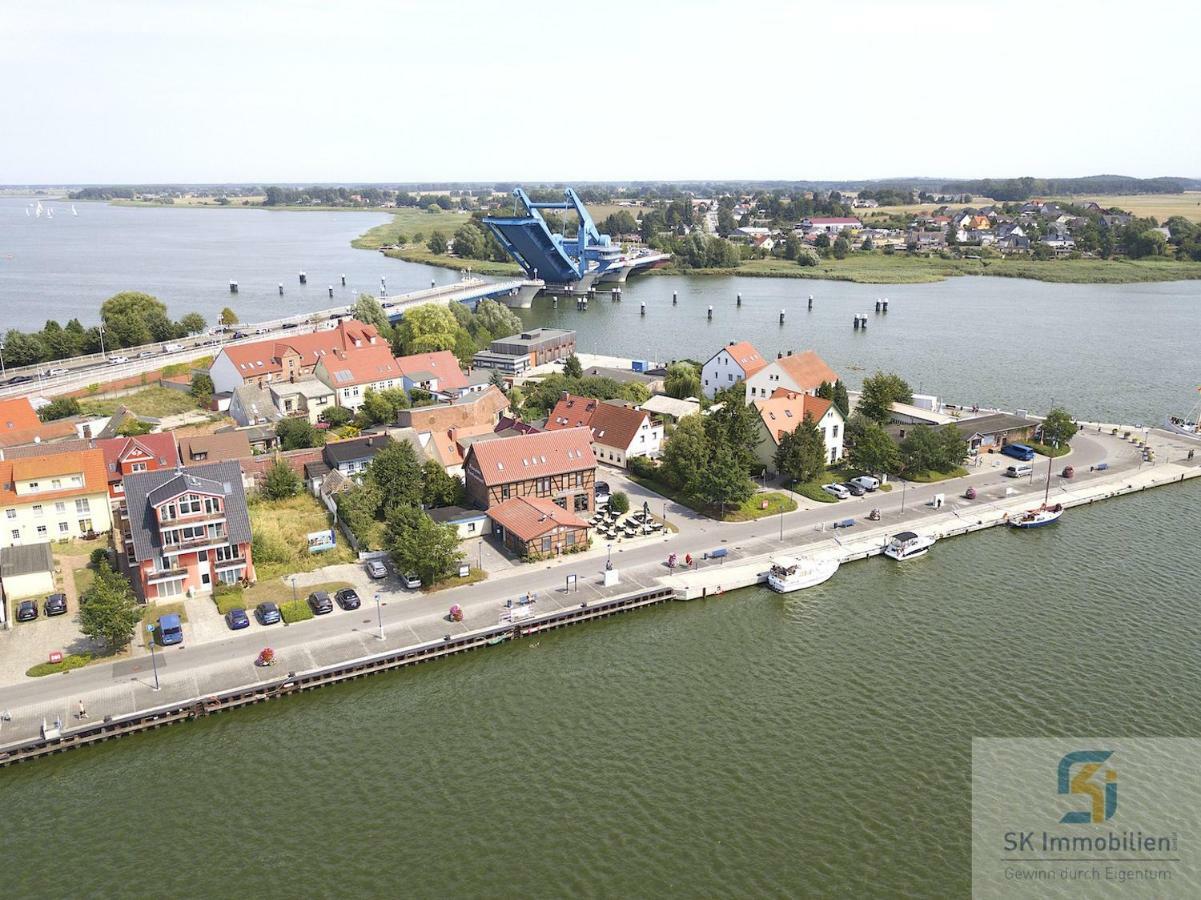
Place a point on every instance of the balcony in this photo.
(207, 542)
(222, 564)
(160, 575)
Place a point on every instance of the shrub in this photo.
(619, 502)
(228, 597)
(268, 549)
(295, 611)
(814, 492)
(71, 661)
(642, 466)
(99, 555)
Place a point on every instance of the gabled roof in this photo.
(526, 456)
(338, 452)
(528, 518)
(213, 447)
(745, 354)
(832, 220)
(442, 365)
(784, 410)
(182, 483)
(611, 424)
(807, 369)
(143, 525)
(266, 357)
(572, 411)
(365, 365)
(88, 463)
(17, 414)
(256, 403)
(55, 430)
(160, 447)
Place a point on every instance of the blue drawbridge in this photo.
(554, 258)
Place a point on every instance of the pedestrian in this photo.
(83, 713)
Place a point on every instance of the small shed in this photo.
(468, 523)
(26, 571)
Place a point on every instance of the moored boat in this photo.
(790, 574)
(1036, 518)
(908, 545)
(1187, 424)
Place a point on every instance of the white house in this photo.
(732, 364)
(351, 375)
(803, 373)
(619, 432)
(784, 410)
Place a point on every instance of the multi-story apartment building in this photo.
(53, 497)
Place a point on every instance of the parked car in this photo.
(290, 325)
(348, 598)
(602, 492)
(260, 330)
(837, 490)
(170, 630)
(1019, 451)
(866, 482)
(376, 569)
(27, 611)
(55, 605)
(56, 371)
(238, 335)
(117, 360)
(411, 581)
(236, 619)
(267, 613)
(1021, 470)
(320, 603)
(853, 489)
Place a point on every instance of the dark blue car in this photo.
(236, 618)
(1019, 451)
(267, 613)
(170, 630)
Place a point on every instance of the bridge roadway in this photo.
(82, 371)
(411, 618)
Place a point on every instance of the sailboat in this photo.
(1188, 424)
(1045, 514)
(38, 212)
(50, 212)
(73, 212)
(27, 211)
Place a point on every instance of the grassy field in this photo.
(931, 477)
(753, 508)
(408, 221)
(422, 254)
(876, 267)
(474, 577)
(1161, 206)
(278, 591)
(155, 402)
(280, 543)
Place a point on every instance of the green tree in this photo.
(228, 317)
(735, 425)
(951, 448)
(841, 247)
(685, 454)
(358, 509)
(381, 407)
(428, 328)
(131, 318)
(497, 319)
(920, 450)
(497, 380)
(59, 408)
(368, 310)
(635, 392)
(801, 454)
(192, 323)
(202, 388)
(1058, 427)
(469, 242)
(807, 257)
(438, 488)
(723, 481)
(841, 401)
(281, 482)
(295, 433)
(398, 474)
(619, 502)
(437, 243)
(336, 416)
(418, 544)
(108, 610)
(572, 367)
(870, 448)
(683, 380)
(880, 392)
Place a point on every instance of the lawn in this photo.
(155, 402)
(419, 253)
(280, 536)
(753, 508)
(277, 591)
(83, 579)
(746, 512)
(931, 477)
(69, 661)
(813, 490)
(473, 577)
(1048, 450)
(408, 221)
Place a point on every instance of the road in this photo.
(410, 617)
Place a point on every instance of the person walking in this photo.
(83, 712)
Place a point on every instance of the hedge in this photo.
(71, 661)
(295, 611)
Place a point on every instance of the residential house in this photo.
(443, 428)
(469, 523)
(784, 410)
(307, 397)
(201, 448)
(554, 465)
(125, 455)
(352, 374)
(516, 353)
(189, 530)
(25, 571)
(537, 528)
(253, 405)
(619, 432)
(287, 358)
(438, 373)
(830, 224)
(1115, 220)
(17, 414)
(992, 432)
(651, 379)
(53, 497)
(925, 240)
(732, 364)
(802, 373)
(352, 457)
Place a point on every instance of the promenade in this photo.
(195, 671)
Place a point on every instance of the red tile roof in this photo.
(834, 220)
(89, 463)
(365, 365)
(807, 369)
(263, 357)
(17, 414)
(526, 456)
(159, 446)
(45, 432)
(745, 354)
(528, 518)
(610, 424)
(442, 365)
(784, 410)
(211, 448)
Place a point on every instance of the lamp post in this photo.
(379, 615)
(153, 658)
(2, 372)
(101, 327)
(904, 487)
(609, 558)
(781, 522)
(293, 588)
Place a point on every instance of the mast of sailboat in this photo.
(1050, 463)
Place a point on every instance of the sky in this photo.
(134, 91)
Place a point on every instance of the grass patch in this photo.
(474, 576)
(408, 221)
(228, 598)
(83, 579)
(150, 616)
(155, 402)
(885, 487)
(1048, 450)
(69, 662)
(932, 477)
(752, 508)
(280, 592)
(295, 611)
(280, 543)
(421, 254)
(183, 368)
(812, 490)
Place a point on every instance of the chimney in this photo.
(563, 395)
(732, 343)
(790, 353)
(779, 355)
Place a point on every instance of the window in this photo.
(546, 544)
(85, 525)
(471, 527)
(33, 486)
(76, 481)
(37, 509)
(41, 531)
(834, 432)
(60, 507)
(230, 576)
(137, 467)
(56, 484)
(504, 492)
(579, 479)
(170, 588)
(82, 507)
(581, 503)
(11, 513)
(730, 376)
(561, 502)
(543, 486)
(64, 527)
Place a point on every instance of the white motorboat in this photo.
(1036, 518)
(908, 545)
(790, 574)
(1189, 424)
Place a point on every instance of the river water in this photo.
(748, 745)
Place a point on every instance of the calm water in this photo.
(1110, 352)
(68, 265)
(748, 746)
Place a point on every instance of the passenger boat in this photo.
(790, 574)
(908, 545)
(1036, 518)
(1186, 424)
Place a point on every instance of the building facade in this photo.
(59, 496)
(731, 365)
(619, 432)
(554, 465)
(783, 411)
(802, 373)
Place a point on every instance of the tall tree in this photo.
(418, 544)
(735, 425)
(1058, 427)
(368, 310)
(497, 319)
(228, 317)
(397, 472)
(801, 454)
(428, 328)
(108, 610)
(437, 243)
(869, 447)
(683, 380)
(880, 392)
(281, 481)
(723, 481)
(439, 488)
(685, 454)
(191, 323)
(572, 367)
(295, 433)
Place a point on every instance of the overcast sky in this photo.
(255, 91)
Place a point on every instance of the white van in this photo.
(172, 348)
(867, 482)
(1020, 470)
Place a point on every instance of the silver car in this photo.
(837, 490)
(376, 569)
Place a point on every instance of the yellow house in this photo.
(53, 497)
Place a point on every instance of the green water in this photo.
(747, 746)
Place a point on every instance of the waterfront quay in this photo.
(39, 716)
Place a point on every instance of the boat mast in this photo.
(1050, 463)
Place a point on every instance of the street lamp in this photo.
(293, 588)
(101, 327)
(379, 614)
(153, 658)
(904, 487)
(609, 558)
(2, 372)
